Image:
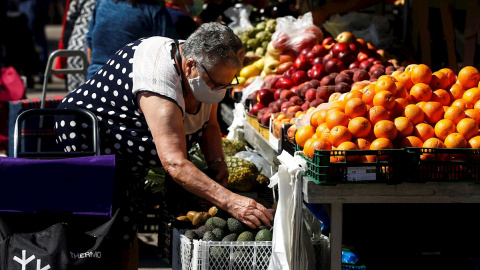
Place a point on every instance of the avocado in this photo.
(230, 237)
(219, 233)
(218, 253)
(264, 235)
(190, 234)
(235, 226)
(219, 222)
(246, 236)
(209, 236)
(200, 231)
(209, 221)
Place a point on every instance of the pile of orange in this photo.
(411, 108)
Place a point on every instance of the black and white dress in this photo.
(144, 65)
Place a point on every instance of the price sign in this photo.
(361, 174)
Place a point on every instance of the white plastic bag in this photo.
(262, 164)
(235, 130)
(292, 247)
(239, 14)
(252, 87)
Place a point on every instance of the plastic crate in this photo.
(444, 164)
(387, 166)
(198, 254)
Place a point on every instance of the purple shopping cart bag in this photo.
(80, 185)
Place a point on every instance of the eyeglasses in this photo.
(218, 86)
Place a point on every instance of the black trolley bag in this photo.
(56, 208)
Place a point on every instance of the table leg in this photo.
(336, 236)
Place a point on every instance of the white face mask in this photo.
(203, 93)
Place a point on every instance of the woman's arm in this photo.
(164, 119)
(212, 148)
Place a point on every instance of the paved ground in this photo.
(149, 258)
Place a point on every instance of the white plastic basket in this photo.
(220, 255)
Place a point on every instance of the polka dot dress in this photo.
(123, 128)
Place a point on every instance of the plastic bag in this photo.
(252, 87)
(292, 247)
(296, 34)
(239, 15)
(235, 130)
(262, 164)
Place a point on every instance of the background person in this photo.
(154, 101)
(116, 23)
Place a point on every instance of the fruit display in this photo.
(416, 107)
(321, 72)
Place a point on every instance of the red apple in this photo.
(284, 83)
(287, 56)
(293, 109)
(290, 72)
(326, 58)
(302, 63)
(319, 50)
(365, 64)
(281, 41)
(305, 106)
(316, 102)
(334, 65)
(328, 42)
(311, 94)
(362, 56)
(339, 47)
(279, 102)
(354, 65)
(265, 120)
(377, 73)
(255, 108)
(286, 105)
(345, 37)
(265, 96)
(315, 83)
(317, 60)
(346, 57)
(342, 87)
(360, 75)
(344, 79)
(375, 67)
(300, 76)
(276, 93)
(327, 80)
(324, 92)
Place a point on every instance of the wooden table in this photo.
(337, 195)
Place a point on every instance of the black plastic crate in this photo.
(443, 164)
(350, 166)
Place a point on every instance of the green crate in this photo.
(444, 164)
(388, 166)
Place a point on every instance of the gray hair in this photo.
(214, 43)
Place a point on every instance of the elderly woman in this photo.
(154, 99)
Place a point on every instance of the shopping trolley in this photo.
(56, 208)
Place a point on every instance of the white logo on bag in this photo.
(24, 261)
(90, 254)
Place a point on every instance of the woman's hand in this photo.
(249, 212)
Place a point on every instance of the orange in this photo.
(450, 74)
(463, 103)
(404, 126)
(456, 91)
(359, 127)
(384, 99)
(444, 127)
(386, 83)
(377, 113)
(414, 113)
(336, 118)
(346, 146)
(352, 94)
(421, 73)
(468, 77)
(325, 134)
(316, 144)
(433, 112)
(320, 128)
(355, 107)
(338, 105)
(368, 94)
(303, 134)
(432, 143)
(455, 114)
(477, 105)
(474, 142)
(362, 143)
(439, 80)
(441, 96)
(409, 68)
(401, 90)
(468, 128)
(411, 141)
(385, 129)
(404, 79)
(321, 117)
(421, 92)
(339, 134)
(473, 114)
(399, 107)
(380, 144)
(314, 119)
(455, 140)
(472, 95)
(423, 131)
